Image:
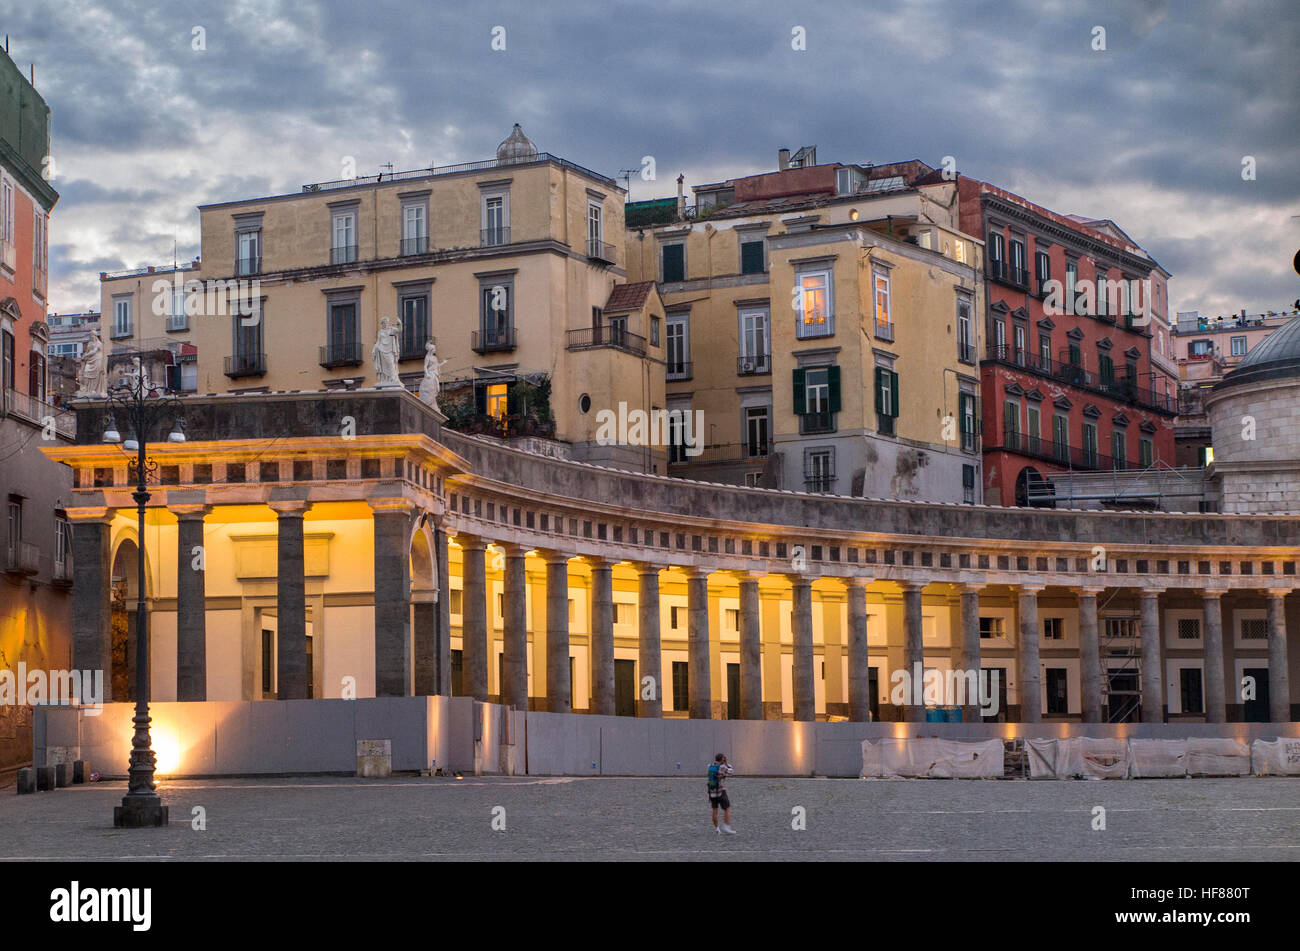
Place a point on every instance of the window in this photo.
(1146, 453)
(675, 615)
(36, 375)
(248, 255)
(1121, 627)
(819, 470)
(1201, 348)
(966, 410)
(1020, 333)
(343, 230)
(1090, 444)
(268, 661)
(673, 257)
(497, 400)
(1033, 432)
(997, 255)
(1076, 354)
(1103, 306)
(757, 432)
(755, 355)
(654, 331)
(121, 316)
(992, 627)
(6, 363)
(62, 543)
(1000, 338)
(1254, 629)
(15, 530)
(968, 484)
(1044, 351)
(751, 256)
(817, 398)
(1192, 697)
(886, 401)
(496, 315)
(1071, 280)
(1189, 629)
(248, 356)
(1061, 438)
(495, 216)
(884, 322)
(178, 319)
(1053, 629)
(39, 249)
(679, 348)
(1011, 424)
(814, 298)
(344, 338)
(965, 339)
(681, 684)
(415, 226)
(1238, 346)
(1118, 446)
(1018, 273)
(1105, 369)
(414, 309)
(1058, 701)
(1043, 268)
(595, 231)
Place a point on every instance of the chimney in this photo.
(681, 197)
(782, 159)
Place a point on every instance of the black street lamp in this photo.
(137, 401)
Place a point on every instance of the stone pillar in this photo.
(803, 682)
(1216, 710)
(969, 658)
(650, 656)
(514, 623)
(859, 660)
(442, 648)
(1030, 692)
(602, 636)
(290, 601)
(473, 615)
(392, 555)
(559, 686)
(1090, 672)
(913, 653)
(751, 649)
(191, 604)
(697, 621)
(424, 647)
(1279, 686)
(1153, 680)
(92, 646)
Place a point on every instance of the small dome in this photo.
(517, 148)
(1277, 356)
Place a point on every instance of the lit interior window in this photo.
(496, 400)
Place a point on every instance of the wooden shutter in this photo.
(800, 397)
(674, 261)
(751, 257)
(880, 390)
(480, 398)
(893, 392)
(833, 381)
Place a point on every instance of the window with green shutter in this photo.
(1146, 454)
(1106, 369)
(821, 398)
(833, 379)
(886, 400)
(674, 262)
(751, 257)
(800, 398)
(1061, 437)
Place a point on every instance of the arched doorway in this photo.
(125, 592)
(1034, 490)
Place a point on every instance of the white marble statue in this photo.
(385, 354)
(431, 385)
(92, 372)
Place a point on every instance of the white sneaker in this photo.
(718, 829)
(727, 829)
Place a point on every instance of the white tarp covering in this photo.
(932, 758)
(1280, 757)
(1150, 758)
(1077, 757)
(1218, 756)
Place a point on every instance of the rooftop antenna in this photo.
(626, 175)
(387, 165)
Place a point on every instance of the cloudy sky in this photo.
(1151, 132)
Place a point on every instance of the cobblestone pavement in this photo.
(668, 818)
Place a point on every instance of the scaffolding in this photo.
(1154, 486)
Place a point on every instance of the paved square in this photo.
(336, 819)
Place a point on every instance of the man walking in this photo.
(718, 773)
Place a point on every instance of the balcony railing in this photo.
(246, 364)
(491, 237)
(1119, 388)
(884, 331)
(178, 322)
(598, 250)
(493, 341)
(720, 453)
(1062, 454)
(965, 351)
(507, 427)
(680, 370)
(341, 355)
(417, 245)
(589, 338)
(752, 364)
(37, 412)
(344, 255)
(62, 571)
(22, 558)
(246, 266)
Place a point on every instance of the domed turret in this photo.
(517, 148)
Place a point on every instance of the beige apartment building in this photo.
(513, 267)
(825, 319)
(147, 312)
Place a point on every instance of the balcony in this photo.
(496, 341)
(1019, 277)
(720, 453)
(1061, 454)
(246, 266)
(884, 331)
(177, 322)
(506, 427)
(417, 245)
(598, 250)
(614, 337)
(22, 558)
(344, 255)
(753, 364)
(62, 572)
(679, 370)
(340, 355)
(966, 352)
(37, 412)
(246, 364)
(493, 237)
(1122, 388)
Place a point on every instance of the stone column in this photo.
(290, 601)
(913, 653)
(969, 658)
(514, 624)
(92, 646)
(442, 648)
(1279, 687)
(859, 660)
(424, 647)
(474, 618)
(1216, 710)
(1030, 692)
(803, 682)
(751, 649)
(392, 556)
(191, 603)
(559, 687)
(602, 636)
(650, 656)
(1090, 672)
(697, 621)
(1153, 680)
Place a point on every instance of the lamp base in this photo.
(139, 812)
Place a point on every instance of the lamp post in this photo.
(134, 398)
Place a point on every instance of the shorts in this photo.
(719, 801)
